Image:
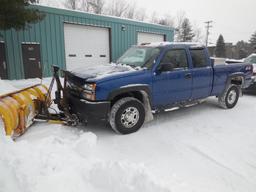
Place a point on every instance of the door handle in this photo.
(188, 76)
(39, 64)
(4, 63)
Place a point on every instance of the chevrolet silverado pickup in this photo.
(252, 60)
(152, 77)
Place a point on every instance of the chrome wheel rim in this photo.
(130, 117)
(232, 97)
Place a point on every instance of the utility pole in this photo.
(208, 26)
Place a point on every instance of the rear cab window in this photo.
(178, 57)
(199, 58)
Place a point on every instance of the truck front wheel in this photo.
(229, 99)
(127, 115)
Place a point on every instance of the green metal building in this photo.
(71, 39)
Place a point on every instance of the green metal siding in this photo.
(50, 34)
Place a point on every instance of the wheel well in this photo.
(136, 94)
(238, 80)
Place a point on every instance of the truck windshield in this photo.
(139, 56)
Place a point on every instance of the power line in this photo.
(208, 26)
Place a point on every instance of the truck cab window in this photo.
(198, 58)
(176, 57)
(139, 56)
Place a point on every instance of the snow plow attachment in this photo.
(18, 109)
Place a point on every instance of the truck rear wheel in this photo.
(127, 115)
(230, 97)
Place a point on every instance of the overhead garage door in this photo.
(86, 46)
(149, 37)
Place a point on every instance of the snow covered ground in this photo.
(201, 149)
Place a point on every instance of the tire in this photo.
(230, 97)
(127, 115)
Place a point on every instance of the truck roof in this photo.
(173, 44)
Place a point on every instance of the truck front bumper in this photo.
(89, 110)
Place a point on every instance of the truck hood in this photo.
(104, 71)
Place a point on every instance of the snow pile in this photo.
(123, 176)
(5, 87)
(57, 163)
(202, 148)
(24, 83)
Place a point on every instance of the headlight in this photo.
(89, 91)
(90, 86)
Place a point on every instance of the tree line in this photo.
(239, 51)
(14, 14)
(184, 31)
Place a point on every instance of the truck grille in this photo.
(73, 89)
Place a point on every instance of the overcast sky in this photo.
(234, 19)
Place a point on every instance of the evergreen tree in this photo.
(253, 40)
(185, 32)
(220, 50)
(15, 14)
(243, 49)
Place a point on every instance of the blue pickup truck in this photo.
(152, 77)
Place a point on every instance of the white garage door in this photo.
(149, 37)
(86, 46)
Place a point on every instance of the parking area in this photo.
(200, 148)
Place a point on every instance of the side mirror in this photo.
(165, 67)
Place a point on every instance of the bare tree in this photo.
(185, 31)
(117, 8)
(71, 4)
(84, 5)
(131, 11)
(167, 20)
(154, 17)
(96, 6)
(198, 34)
(180, 17)
(140, 14)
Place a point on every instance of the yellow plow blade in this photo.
(18, 109)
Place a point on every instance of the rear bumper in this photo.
(88, 110)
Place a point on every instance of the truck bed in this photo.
(223, 72)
